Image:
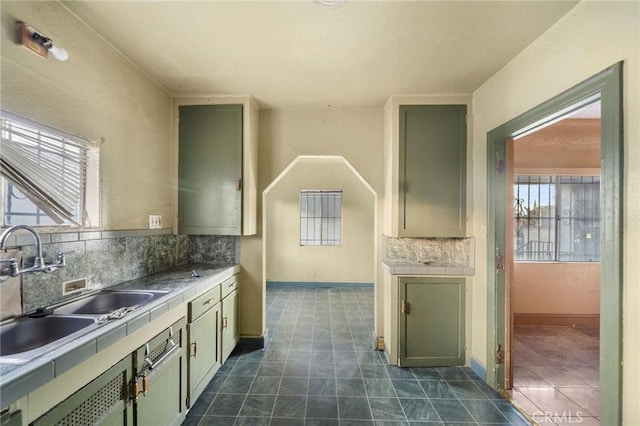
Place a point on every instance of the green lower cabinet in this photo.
(230, 332)
(160, 378)
(204, 351)
(13, 418)
(431, 321)
(104, 401)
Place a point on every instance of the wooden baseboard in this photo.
(557, 319)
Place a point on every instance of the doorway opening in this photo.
(345, 253)
(553, 263)
(607, 88)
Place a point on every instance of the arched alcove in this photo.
(354, 262)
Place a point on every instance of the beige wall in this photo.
(97, 93)
(284, 134)
(353, 261)
(556, 288)
(591, 37)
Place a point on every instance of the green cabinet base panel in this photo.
(432, 322)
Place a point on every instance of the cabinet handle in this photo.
(224, 322)
(404, 307)
(239, 185)
(135, 389)
(213, 299)
(231, 285)
(195, 349)
(145, 383)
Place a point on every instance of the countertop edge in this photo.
(28, 376)
(414, 268)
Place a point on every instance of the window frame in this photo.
(322, 218)
(555, 181)
(87, 216)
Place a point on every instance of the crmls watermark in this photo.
(565, 417)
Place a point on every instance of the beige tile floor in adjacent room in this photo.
(556, 377)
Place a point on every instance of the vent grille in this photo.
(94, 408)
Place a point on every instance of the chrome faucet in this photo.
(38, 263)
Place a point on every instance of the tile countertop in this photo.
(18, 378)
(431, 268)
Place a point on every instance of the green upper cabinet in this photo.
(426, 170)
(433, 147)
(210, 170)
(217, 169)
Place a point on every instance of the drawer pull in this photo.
(225, 324)
(231, 285)
(213, 299)
(170, 348)
(195, 349)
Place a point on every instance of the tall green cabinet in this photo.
(433, 170)
(210, 169)
(431, 321)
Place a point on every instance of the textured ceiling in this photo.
(299, 53)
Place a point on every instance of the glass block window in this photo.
(320, 217)
(557, 218)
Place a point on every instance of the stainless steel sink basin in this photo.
(107, 301)
(28, 333)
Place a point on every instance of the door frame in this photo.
(606, 86)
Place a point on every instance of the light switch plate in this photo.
(155, 221)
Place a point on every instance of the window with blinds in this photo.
(320, 218)
(557, 218)
(45, 174)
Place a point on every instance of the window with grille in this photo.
(557, 218)
(46, 174)
(320, 218)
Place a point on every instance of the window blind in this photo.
(47, 165)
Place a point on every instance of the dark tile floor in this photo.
(320, 369)
(556, 374)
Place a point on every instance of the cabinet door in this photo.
(104, 401)
(210, 170)
(160, 375)
(230, 332)
(432, 328)
(204, 351)
(433, 140)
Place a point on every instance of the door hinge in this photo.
(499, 355)
(499, 260)
(404, 307)
(500, 164)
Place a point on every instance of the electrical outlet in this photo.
(155, 221)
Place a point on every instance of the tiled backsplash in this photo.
(459, 251)
(108, 258)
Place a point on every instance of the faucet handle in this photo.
(61, 255)
(60, 262)
(13, 269)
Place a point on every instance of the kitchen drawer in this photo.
(204, 302)
(229, 285)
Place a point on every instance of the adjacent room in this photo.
(556, 272)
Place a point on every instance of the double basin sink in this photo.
(33, 335)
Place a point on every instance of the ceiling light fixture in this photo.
(38, 43)
(330, 4)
